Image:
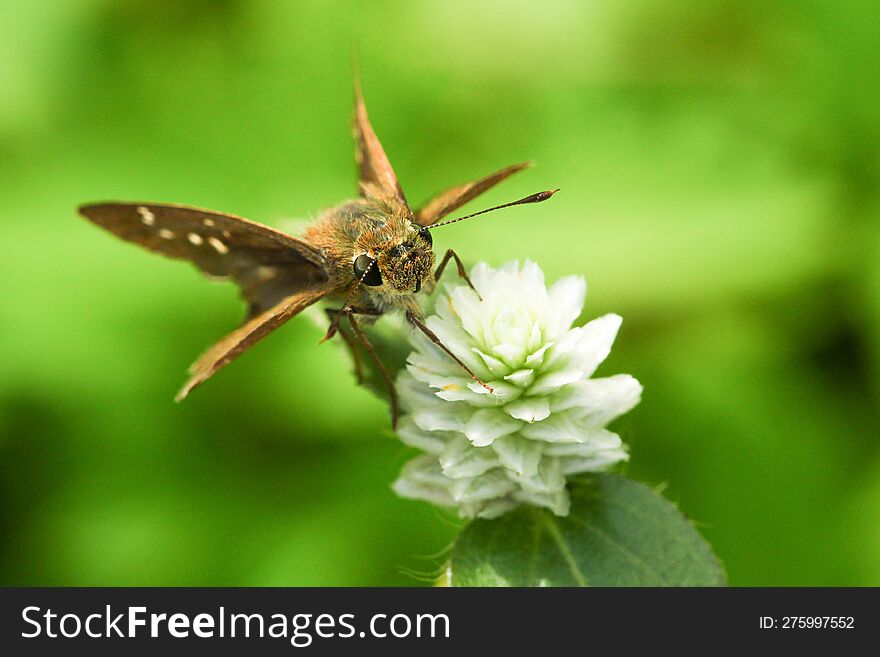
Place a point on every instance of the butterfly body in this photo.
(372, 255)
(386, 234)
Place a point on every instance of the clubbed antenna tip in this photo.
(534, 198)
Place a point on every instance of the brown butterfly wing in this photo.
(454, 197)
(376, 177)
(268, 265)
(251, 332)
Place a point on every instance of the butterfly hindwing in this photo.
(248, 334)
(268, 265)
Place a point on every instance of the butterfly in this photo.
(370, 255)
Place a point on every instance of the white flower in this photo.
(485, 453)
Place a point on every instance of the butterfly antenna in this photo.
(534, 198)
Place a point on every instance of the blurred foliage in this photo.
(719, 169)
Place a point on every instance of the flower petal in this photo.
(559, 503)
(455, 340)
(550, 383)
(495, 366)
(599, 461)
(461, 390)
(492, 484)
(548, 479)
(536, 338)
(511, 353)
(595, 341)
(536, 358)
(566, 302)
(558, 428)
(442, 416)
(413, 393)
(461, 459)
(521, 378)
(422, 479)
(469, 308)
(529, 409)
(494, 508)
(596, 440)
(481, 276)
(432, 442)
(599, 401)
(501, 392)
(518, 454)
(486, 425)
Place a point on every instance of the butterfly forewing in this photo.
(267, 264)
(279, 275)
(376, 177)
(454, 197)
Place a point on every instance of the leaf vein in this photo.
(625, 551)
(562, 544)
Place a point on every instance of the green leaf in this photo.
(619, 533)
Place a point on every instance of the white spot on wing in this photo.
(219, 246)
(208, 222)
(166, 234)
(194, 238)
(265, 273)
(146, 215)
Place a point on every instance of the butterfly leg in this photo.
(462, 272)
(419, 324)
(392, 392)
(332, 315)
(350, 312)
(336, 316)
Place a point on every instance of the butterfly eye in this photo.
(374, 276)
(425, 234)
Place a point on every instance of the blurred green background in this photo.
(719, 167)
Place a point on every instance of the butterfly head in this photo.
(400, 265)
